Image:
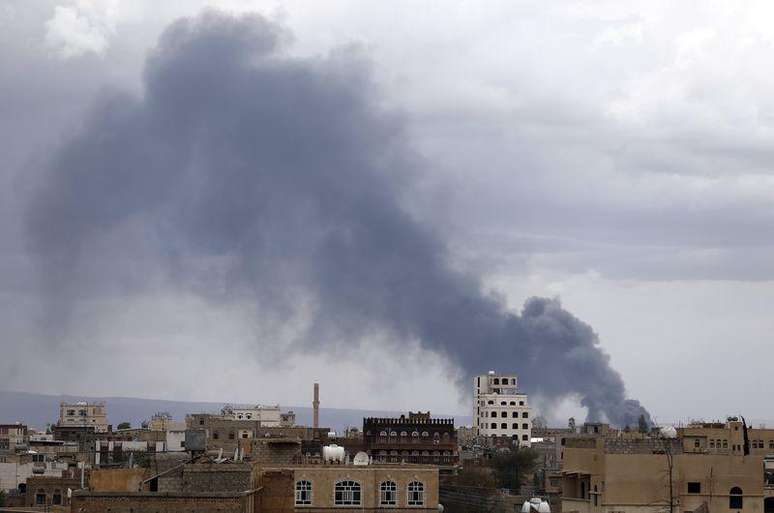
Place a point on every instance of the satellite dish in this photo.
(361, 459)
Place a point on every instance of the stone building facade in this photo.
(84, 414)
(13, 437)
(416, 438)
(50, 491)
(649, 474)
(372, 487)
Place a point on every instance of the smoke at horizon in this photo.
(246, 175)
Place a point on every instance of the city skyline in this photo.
(613, 157)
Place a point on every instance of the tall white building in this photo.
(499, 409)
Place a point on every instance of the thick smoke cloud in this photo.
(247, 175)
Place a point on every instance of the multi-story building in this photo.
(499, 409)
(703, 467)
(268, 416)
(413, 439)
(83, 414)
(13, 437)
(206, 485)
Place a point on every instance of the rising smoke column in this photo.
(243, 174)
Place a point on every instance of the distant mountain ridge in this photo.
(37, 410)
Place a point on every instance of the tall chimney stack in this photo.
(316, 406)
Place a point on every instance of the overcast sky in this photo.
(615, 155)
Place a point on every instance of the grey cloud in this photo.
(246, 175)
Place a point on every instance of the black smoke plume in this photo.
(245, 174)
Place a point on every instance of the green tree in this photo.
(512, 468)
(124, 425)
(642, 424)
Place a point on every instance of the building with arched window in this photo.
(614, 469)
(416, 438)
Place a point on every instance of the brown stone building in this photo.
(50, 491)
(249, 487)
(231, 434)
(649, 474)
(414, 439)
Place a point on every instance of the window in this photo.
(303, 493)
(595, 497)
(230, 435)
(525, 415)
(71, 412)
(496, 381)
(347, 493)
(514, 426)
(425, 433)
(416, 494)
(490, 402)
(403, 433)
(503, 403)
(712, 444)
(513, 403)
(515, 415)
(694, 487)
(521, 403)
(524, 437)
(57, 497)
(244, 435)
(735, 498)
(503, 426)
(494, 425)
(40, 496)
(697, 443)
(525, 426)
(725, 444)
(201, 422)
(504, 414)
(382, 433)
(388, 494)
(215, 435)
(771, 444)
(415, 434)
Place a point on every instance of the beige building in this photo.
(704, 468)
(368, 487)
(83, 414)
(500, 409)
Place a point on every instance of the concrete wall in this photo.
(11, 474)
(117, 480)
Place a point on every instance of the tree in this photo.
(2, 498)
(642, 424)
(124, 425)
(511, 468)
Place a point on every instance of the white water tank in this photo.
(535, 505)
(668, 431)
(333, 453)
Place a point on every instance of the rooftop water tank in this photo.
(333, 453)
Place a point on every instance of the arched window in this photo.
(425, 433)
(504, 414)
(515, 426)
(490, 402)
(525, 415)
(513, 403)
(496, 381)
(525, 426)
(388, 493)
(415, 433)
(382, 433)
(347, 493)
(403, 433)
(494, 425)
(735, 498)
(503, 403)
(416, 494)
(393, 433)
(303, 493)
(515, 415)
(503, 426)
